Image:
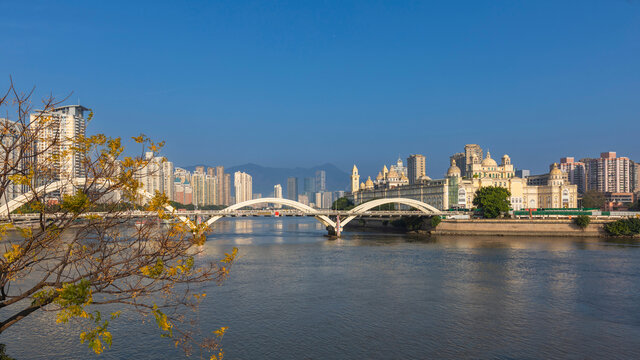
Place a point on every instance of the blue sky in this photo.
(302, 83)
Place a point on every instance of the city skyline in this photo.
(433, 75)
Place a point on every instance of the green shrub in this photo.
(435, 221)
(582, 221)
(623, 227)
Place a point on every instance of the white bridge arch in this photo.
(364, 207)
(359, 210)
(280, 201)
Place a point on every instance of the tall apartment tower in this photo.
(168, 180)
(58, 129)
(199, 188)
(473, 154)
(226, 190)
(416, 168)
(292, 188)
(608, 173)
(14, 161)
(575, 171)
(211, 182)
(355, 180)
(321, 181)
(152, 177)
(243, 186)
(636, 177)
(223, 186)
(277, 193)
(309, 185)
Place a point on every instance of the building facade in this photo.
(608, 173)
(455, 191)
(292, 188)
(57, 131)
(416, 168)
(243, 184)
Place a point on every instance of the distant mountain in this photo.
(264, 178)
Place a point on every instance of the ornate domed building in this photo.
(457, 189)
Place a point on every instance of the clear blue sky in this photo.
(307, 82)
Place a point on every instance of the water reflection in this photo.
(295, 294)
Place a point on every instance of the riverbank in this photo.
(485, 227)
(520, 227)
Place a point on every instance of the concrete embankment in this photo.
(486, 227)
(519, 227)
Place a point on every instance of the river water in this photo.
(294, 294)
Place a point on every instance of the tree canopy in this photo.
(74, 261)
(492, 201)
(342, 204)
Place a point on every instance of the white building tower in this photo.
(355, 180)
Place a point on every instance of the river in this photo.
(295, 294)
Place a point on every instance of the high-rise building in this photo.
(200, 169)
(292, 188)
(576, 174)
(227, 189)
(57, 131)
(152, 177)
(309, 185)
(321, 181)
(473, 154)
(12, 161)
(223, 186)
(277, 193)
(211, 171)
(318, 200)
(327, 200)
(355, 180)
(168, 180)
(199, 188)
(636, 177)
(608, 173)
(243, 186)
(211, 182)
(416, 168)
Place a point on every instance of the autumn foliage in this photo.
(74, 260)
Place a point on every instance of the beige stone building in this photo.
(456, 191)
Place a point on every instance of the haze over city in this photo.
(301, 84)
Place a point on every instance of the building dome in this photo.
(424, 178)
(379, 177)
(555, 176)
(368, 184)
(361, 186)
(454, 170)
(404, 177)
(506, 160)
(392, 175)
(488, 161)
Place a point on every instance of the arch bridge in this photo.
(342, 217)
